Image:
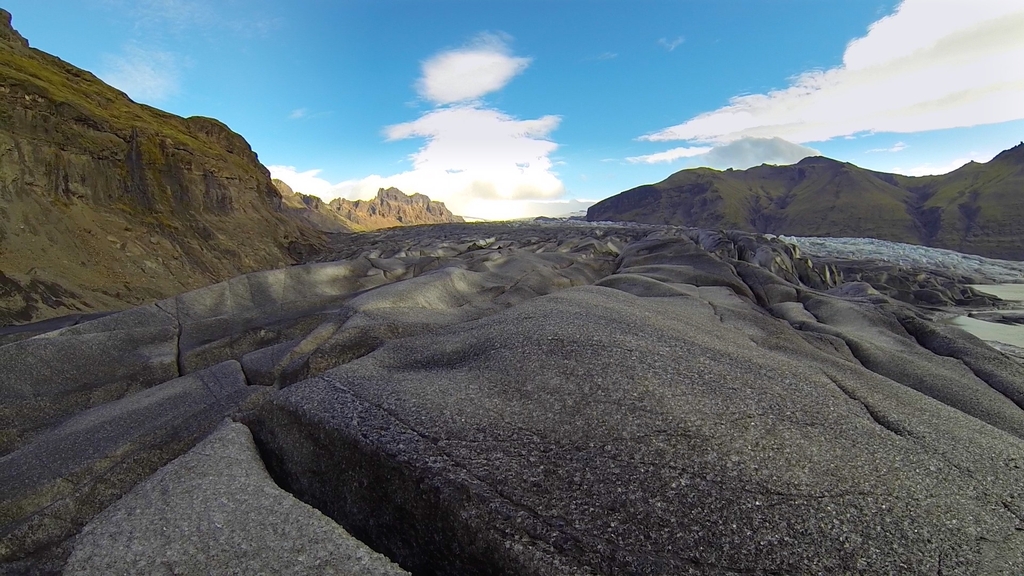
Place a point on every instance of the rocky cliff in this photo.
(106, 203)
(311, 210)
(978, 208)
(391, 207)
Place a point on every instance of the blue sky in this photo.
(514, 108)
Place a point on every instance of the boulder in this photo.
(215, 510)
(56, 374)
(592, 431)
(52, 486)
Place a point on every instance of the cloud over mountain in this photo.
(929, 65)
(740, 154)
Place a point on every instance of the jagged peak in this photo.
(7, 31)
(1015, 154)
(391, 193)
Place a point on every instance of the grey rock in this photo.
(533, 399)
(879, 341)
(215, 510)
(59, 373)
(591, 431)
(50, 487)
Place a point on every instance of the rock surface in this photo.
(527, 399)
(106, 203)
(50, 487)
(976, 208)
(215, 510)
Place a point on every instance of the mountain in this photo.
(106, 203)
(391, 207)
(978, 208)
(310, 209)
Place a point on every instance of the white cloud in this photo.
(742, 153)
(930, 65)
(747, 152)
(145, 75)
(897, 147)
(943, 168)
(484, 66)
(669, 155)
(671, 45)
(298, 114)
(482, 141)
(478, 160)
(310, 182)
(433, 185)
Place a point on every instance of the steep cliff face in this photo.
(390, 208)
(106, 203)
(311, 210)
(978, 208)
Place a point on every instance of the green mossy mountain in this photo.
(977, 209)
(106, 203)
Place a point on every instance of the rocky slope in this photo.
(391, 207)
(106, 203)
(978, 208)
(516, 399)
(311, 210)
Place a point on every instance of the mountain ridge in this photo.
(977, 208)
(390, 207)
(107, 203)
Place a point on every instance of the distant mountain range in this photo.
(978, 208)
(391, 207)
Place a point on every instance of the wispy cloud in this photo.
(671, 45)
(176, 13)
(483, 66)
(669, 155)
(146, 75)
(607, 56)
(188, 16)
(742, 153)
(943, 167)
(894, 148)
(298, 114)
(929, 65)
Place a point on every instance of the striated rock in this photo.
(51, 486)
(80, 163)
(593, 431)
(49, 377)
(215, 510)
(520, 399)
(976, 208)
